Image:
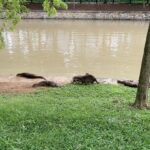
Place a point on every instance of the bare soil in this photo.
(18, 84)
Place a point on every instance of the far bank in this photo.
(90, 15)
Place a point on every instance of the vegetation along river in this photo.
(110, 49)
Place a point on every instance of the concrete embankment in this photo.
(95, 15)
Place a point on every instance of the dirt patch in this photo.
(15, 87)
(18, 84)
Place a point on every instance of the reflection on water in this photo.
(65, 48)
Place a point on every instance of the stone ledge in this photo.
(93, 15)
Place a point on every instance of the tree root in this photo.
(139, 105)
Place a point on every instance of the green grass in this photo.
(95, 117)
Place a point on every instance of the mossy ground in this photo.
(94, 117)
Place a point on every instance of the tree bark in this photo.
(141, 100)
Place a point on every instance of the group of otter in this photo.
(82, 79)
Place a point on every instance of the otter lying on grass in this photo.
(45, 84)
(29, 76)
(85, 79)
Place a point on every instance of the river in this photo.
(111, 49)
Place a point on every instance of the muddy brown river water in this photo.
(110, 49)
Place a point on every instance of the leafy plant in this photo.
(51, 6)
(10, 11)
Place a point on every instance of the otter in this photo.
(29, 76)
(85, 79)
(45, 84)
(129, 83)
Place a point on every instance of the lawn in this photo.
(94, 117)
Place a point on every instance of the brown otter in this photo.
(45, 84)
(29, 76)
(85, 79)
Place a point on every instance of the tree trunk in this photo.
(73, 4)
(105, 1)
(142, 91)
(143, 3)
(147, 2)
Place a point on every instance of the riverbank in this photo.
(73, 117)
(93, 15)
(9, 84)
(17, 84)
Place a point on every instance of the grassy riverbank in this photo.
(74, 118)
